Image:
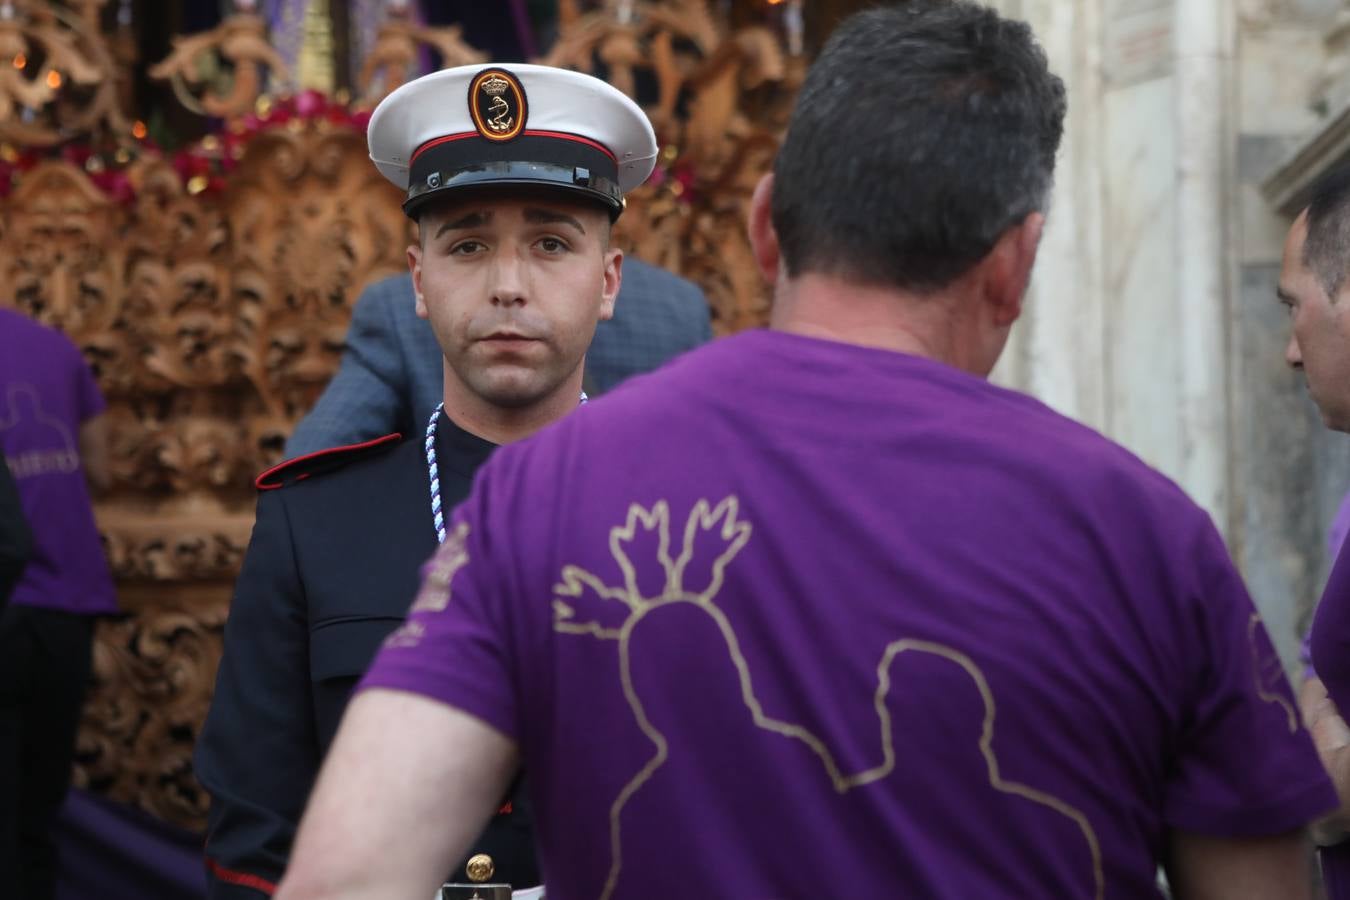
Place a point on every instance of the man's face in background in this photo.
(1319, 342)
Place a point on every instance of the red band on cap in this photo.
(436, 142)
(558, 135)
(564, 136)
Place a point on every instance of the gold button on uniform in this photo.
(479, 867)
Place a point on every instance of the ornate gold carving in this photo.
(395, 54)
(298, 264)
(239, 42)
(36, 109)
(211, 322)
(153, 677)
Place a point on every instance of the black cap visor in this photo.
(545, 161)
(579, 183)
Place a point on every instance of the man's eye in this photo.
(464, 248)
(552, 245)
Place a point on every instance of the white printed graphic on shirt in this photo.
(23, 408)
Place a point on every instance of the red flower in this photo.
(76, 154)
(311, 104)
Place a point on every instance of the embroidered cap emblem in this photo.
(497, 104)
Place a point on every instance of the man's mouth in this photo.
(508, 339)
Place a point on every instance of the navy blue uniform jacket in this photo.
(331, 570)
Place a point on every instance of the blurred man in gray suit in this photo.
(390, 376)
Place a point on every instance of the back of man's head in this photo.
(923, 132)
(1326, 251)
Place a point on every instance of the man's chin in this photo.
(514, 392)
(1334, 419)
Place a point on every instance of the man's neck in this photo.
(505, 425)
(834, 309)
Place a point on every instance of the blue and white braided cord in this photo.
(436, 514)
(434, 470)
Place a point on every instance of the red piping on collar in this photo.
(260, 484)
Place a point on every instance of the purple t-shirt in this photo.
(46, 393)
(1336, 534)
(1325, 649)
(794, 615)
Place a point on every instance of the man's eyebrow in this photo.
(537, 216)
(472, 220)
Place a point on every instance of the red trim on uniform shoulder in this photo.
(243, 879)
(505, 810)
(280, 467)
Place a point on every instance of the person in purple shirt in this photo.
(51, 435)
(1329, 732)
(817, 610)
(1313, 286)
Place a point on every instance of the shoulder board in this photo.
(320, 461)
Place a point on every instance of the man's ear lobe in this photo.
(1011, 263)
(613, 281)
(415, 267)
(763, 238)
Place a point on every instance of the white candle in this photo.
(792, 18)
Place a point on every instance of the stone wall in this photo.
(1152, 314)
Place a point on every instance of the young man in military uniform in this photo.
(514, 192)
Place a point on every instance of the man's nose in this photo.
(1292, 355)
(508, 278)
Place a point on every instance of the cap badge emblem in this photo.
(497, 104)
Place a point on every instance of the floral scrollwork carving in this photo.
(298, 265)
(239, 42)
(38, 107)
(154, 672)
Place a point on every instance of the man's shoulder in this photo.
(390, 297)
(381, 289)
(42, 340)
(1088, 465)
(644, 278)
(334, 467)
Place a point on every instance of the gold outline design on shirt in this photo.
(1260, 665)
(722, 523)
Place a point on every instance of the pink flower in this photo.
(311, 104)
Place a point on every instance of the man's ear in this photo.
(763, 239)
(415, 267)
(1010, 264)
(613, 279)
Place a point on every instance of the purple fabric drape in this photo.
(116, 852)
(524, 29)
(286, 27)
